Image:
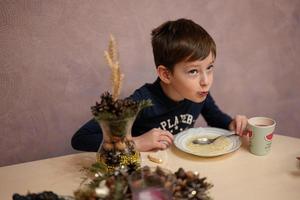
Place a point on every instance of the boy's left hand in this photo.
(238, 124)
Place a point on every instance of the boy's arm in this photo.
(88, 137)
(153, 140)
(213, 115)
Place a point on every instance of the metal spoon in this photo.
(204, 140)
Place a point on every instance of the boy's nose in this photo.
(203, 79)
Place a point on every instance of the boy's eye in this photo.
(210, 67)
(193, 72)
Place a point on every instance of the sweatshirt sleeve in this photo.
(213, 115)
(88, 137)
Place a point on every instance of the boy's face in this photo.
(192, 80)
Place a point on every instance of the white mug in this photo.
(260, 130)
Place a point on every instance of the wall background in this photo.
(52, 67)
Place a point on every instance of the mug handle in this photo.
(247, 133)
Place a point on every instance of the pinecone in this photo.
(189, 186)
(46, 195)
(121, 108)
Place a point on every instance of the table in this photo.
(238, 175)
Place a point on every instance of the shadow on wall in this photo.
(53, 70)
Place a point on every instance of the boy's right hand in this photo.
(155, 139)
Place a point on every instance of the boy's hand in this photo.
(155, 139)
(238, 124)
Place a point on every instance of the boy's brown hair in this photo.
(180, 40)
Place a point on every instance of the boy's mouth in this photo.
(203, 93)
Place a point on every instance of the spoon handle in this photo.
(230, 135)
(224, 136)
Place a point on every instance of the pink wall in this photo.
(52, 66)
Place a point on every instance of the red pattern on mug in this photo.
(269, 137)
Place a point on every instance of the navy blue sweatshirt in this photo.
(165, 114)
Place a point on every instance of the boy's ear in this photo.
(163, 73)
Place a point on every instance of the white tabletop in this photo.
(238, 175)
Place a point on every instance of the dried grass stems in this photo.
(111, 56)
(111, 107)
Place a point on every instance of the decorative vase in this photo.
(117, 150)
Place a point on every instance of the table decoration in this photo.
(115, 117)
(145, 183)
(153, 183)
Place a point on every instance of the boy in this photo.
(184, 54)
